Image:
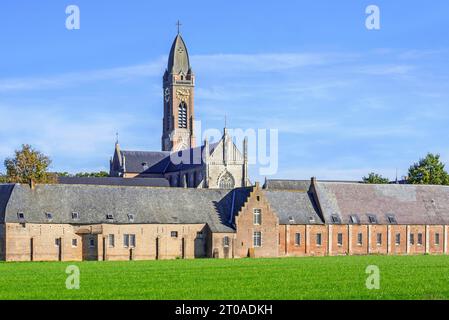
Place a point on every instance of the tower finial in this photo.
(178, 24)
(116, 137)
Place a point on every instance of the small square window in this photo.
(21, 216)
(75, 216)
(110, 216)
(74, 243)
(49, 216)
(174, 234)
(311, 219)
(291, 219)
(131, 217)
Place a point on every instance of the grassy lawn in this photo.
(406, 277)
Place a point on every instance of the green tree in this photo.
(375, 178)
(3, 178)
(28, 164)
(429, 170)
(100, 174)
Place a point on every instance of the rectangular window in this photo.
(132, 240)
(91, 242)
(379, 239)
(360, 239)
(412, 239)
(75, 216)
(340, 239)
(297, 239)
(257, 239)
(372, 219)
(392, 220)
(319, 239)
(419, 239)
(398, 239)
(174, 234)
(257, 217)
(57, 242)
(21, 215)
(335, 218)
(49, 216)
(111, 241)
(126, 240)
(437, 239)
(354, 219)
(226, 242)
(74, 242)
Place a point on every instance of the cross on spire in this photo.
(178, 24)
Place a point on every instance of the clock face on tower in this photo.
(167, 95)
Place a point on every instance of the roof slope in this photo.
(293, 207)
(278, 184)
(5, 194)
(178, 60)
(410, 204)
(113, 181)
(148, 205)
(139, 161)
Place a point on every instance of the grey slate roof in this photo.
(160, 162)
(93, 203)
(5, 193)
(279, 184)
(113, 181)
(293, 207)
(135, 161)
(410, 204)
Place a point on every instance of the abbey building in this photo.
(195, 200)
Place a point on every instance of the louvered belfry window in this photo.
(182, 115)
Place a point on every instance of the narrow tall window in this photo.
(132, 240)
(319, 239)
(297, 239)
(379, 239)
(437, 239)
(182, 115)
(398, 239)
(360, 238)
(257, 239)
(420, 239)
(226, 242)
(111, 240)
(257, 217)
(340, 239)
(412, 238)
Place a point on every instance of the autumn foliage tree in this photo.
(28, 164)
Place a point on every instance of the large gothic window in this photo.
(182, 115)
(226, 181)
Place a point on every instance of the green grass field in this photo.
(406, 277)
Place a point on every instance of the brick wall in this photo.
(269, 228)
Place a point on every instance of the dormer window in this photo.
(131, 217)
(372, 219)
(75, 216)
(392, 219)
(311, 219)
(354, 219)
(49, 216)
(144, 165)
(291, 219)
(110, 216)
(335, 218)
(21, 216)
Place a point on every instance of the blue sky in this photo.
(346, 100)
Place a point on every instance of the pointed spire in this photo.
(178, 60)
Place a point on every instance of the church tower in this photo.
(178, 85)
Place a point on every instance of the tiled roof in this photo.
(113, 181)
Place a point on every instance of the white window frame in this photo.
(257, 217)
(111, 240)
